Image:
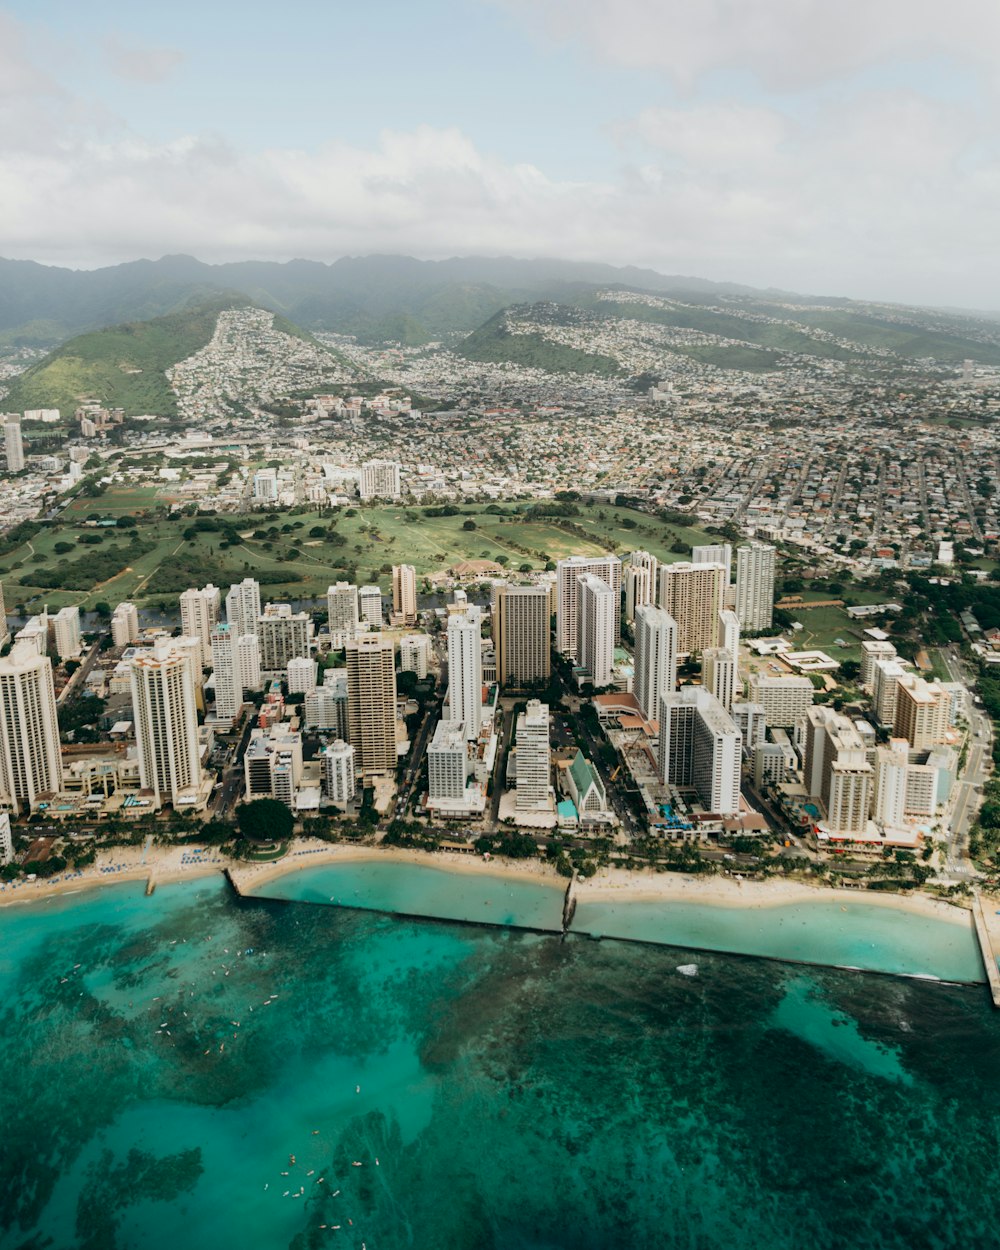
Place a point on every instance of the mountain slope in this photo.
(121, 367)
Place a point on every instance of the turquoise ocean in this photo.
(197, 1070)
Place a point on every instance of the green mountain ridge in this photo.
(124, 366)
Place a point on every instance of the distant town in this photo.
(730, 621)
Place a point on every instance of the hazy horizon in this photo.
(844, 152)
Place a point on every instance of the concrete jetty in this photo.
(986, 948)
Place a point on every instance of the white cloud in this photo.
(786, 43)
(880, 194)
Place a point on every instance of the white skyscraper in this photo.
(640, 582)
(30, 759)
(655, 658)
(338, 772)
(14, 445)
(379, 480)
(533, 758)
(715, 553)
(608, 569)
(228, 676)
(755, 585)
(370, 603)
(342, 608)
(6, 840)
(448, 766)
(243, 607)
(248, 650)
(199, 612)
(4, 628)
(66, 624)
(125, 625)
(465, 670)
(404, 592)
(598, 608)
(701, 747)
(166, 724)
(265, 485)
(718, 674)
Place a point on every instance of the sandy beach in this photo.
(615, 884)
(168, 865)
(250, 878)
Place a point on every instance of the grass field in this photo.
(821, 627)
(363, 548)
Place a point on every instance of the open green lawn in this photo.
(362, 547)
(119, 502)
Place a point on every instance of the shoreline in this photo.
(174, 865)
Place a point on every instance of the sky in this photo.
(848, 148)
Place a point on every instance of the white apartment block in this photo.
(871, 652)
(465, 671)
(370, 604)
(199, 613)
(640, 582)
(608, 569)
(785, 700)
(66, 624)
(272, 765)
(30, 758)
(326, 706)
(414, 654)
(655, 658)
(448, 763)
(700, 747)
(715, 553)
(283, 635)
(718, 674)
(755, 585)
(265, 486)
(531, 739)
(243, 607)
(342, 608)
(301, 675)
(125, 625)
(751, 720)
(165, 717)
(379, 479)
(6, 840)
(598, 606)
(227, 673)
(338, 772)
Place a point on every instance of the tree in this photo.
(265, 820)
(469, 525)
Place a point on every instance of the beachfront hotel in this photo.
(166, 725)
(701, 748)
(30, 760)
